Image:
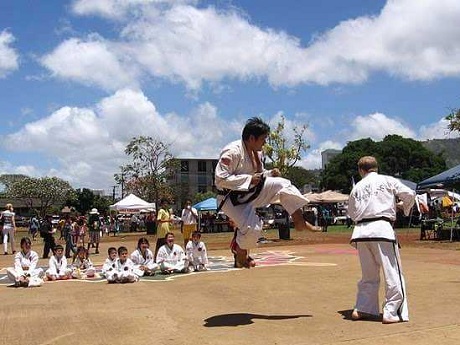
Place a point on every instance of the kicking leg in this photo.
(300, 224)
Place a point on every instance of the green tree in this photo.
(85, 200)
(7, 180)
(151, 164)
(41, 194)
(203, 196)
(397, 156)
(300, 176)
(282, 153)
(454, 120)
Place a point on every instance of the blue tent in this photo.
(206, 205)
(442, 180)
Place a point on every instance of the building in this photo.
(194, 175)
(327, 155)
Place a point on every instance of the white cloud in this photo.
(376, 126)
(91, 62)
(437, 130)
(313, 159)
(118, 9)
(176, 41)
(88, 143)
(8, 56)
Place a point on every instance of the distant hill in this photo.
(449, 148)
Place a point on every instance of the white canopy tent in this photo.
(132, 203)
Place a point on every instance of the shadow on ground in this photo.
(346, 315)
(242, 319)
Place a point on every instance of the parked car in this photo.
(22, 222)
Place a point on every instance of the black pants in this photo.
(49, 245)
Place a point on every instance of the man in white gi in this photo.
(372, 206)
(244, 185)
(197, 255)
(171, 257)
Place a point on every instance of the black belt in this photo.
(368, 220)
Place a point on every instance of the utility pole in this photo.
(113, 193)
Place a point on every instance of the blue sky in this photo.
(79, 79)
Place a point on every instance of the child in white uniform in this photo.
(196, 253)
(82, 267)
(25, 272)
(109, 269)
(142, 257)
(125, 267)
(58, 265)
(171, 257)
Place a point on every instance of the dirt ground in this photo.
(301, 292)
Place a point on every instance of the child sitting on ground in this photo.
(171, 257)
(142, 257)
(25, 272)
(82, 267)
(125, 267)
(109, 269)
(58, 269)
(196, 253)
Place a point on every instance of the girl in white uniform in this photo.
(58, 269)
(142, 257)
(25, 272)
(82, 267)
(171, 257)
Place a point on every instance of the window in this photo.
(184, 166)
(202, 188)
(201, 166)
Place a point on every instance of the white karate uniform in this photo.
(171, 259)
(82, 269)
(109, 269)
(197, 255)
(234, 171)
(146, 260)
(373, 197)
(125, 271)
(57, 267)
(25, 265)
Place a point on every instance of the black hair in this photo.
(122, 250)
(58, 246)
(142, 240)
(111, 249)
(255, 126)
(25, 240)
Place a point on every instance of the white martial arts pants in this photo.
(372, 256)
(248, 222)
(8, 232)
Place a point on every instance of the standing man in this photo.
(189, 221)
(244, 185)
(372, 206)
(47, 232)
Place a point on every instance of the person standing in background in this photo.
(189, 219)
(163, 220)
(9, 228)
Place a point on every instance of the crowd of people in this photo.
(119, 266)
